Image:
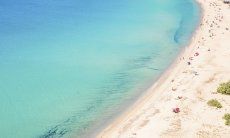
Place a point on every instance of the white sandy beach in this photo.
(195, 84)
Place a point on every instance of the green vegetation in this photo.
(214, 103)
(227, 118)
(224, 88)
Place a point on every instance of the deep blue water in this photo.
(66, 66)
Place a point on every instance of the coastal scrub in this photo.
(227, 119)
(224, 88)
(214, 103)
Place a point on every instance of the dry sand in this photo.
(152, 114)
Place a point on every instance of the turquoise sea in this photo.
(68, 66)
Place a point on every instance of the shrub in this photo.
(214, 103)
(227, 119)
(224, 88)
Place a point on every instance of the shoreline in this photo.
(135, 117)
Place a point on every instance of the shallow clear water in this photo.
(67, 66)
